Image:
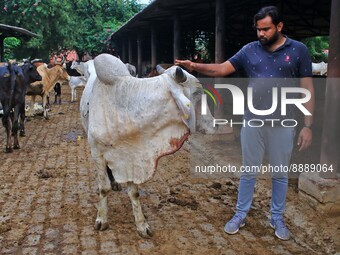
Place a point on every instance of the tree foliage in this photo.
(316, 46)
(11, 43)
(84, 25)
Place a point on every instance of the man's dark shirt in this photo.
(284, 66)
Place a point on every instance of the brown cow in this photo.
(50, 76)
(154, 71)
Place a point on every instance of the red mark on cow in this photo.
(176, 144)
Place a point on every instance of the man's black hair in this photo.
(270, 11)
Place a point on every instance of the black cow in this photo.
(13, 83)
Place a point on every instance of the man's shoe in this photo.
(281, 231)
(233, 226)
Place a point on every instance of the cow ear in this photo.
(160, 69)
(180, 76)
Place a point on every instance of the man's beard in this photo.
(269, 42)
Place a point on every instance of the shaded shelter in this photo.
(166, 30)
(11, 31)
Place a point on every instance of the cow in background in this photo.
(82, 67)
(319, 68)
(75, 82)
(50, 76)
(132, 69)
(154, 72)
(13, 84)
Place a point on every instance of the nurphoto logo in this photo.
(239, 99)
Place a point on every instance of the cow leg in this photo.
(22, 120)
(114, 185)
(75, 94)
(143, 227)
(7, 123)
(47, 101)
(15, 117)
(9, 148)
(104, 189)
(32, 106)
(57, 89)
(72, 94)
(45, 107)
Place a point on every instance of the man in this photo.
(272, 56)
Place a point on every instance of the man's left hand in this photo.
(305, 138)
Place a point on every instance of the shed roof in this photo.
(302, 18)
(7, 31)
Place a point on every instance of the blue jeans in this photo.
(278, 143)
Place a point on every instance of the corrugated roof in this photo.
(6, 31)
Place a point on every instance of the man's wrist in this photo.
(193, 66)
(310, 126)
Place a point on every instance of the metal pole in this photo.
(330, 147)
(2, 49)
(139, 53)
(153, 47)
(220, 31)
(177, 37)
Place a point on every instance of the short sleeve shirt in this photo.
(285, 65)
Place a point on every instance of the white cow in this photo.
(75, 82)
(131, 123)
(319, 68)
(82, 67)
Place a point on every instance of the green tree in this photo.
(84, 24)
(10, 43)
(316, 45)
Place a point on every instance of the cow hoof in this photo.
(16, 147)
(100, 225)
(116, 186)
(8, 150)
(146, 231)
(22, 133)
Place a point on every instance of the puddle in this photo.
(73, 136)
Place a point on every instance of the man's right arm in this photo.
(213, 70)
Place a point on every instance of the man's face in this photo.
(267, 32)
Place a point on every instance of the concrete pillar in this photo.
(153, 47)
(139, 55)
(220, 49)
(330, 149)
(322, 190)
(220, 32)
(177, 37)
(2, 52)
(130, 57)
(123, 47)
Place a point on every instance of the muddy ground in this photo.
(48, 197)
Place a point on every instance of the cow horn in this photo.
(160, 69)
(180, 75)
(61, 62)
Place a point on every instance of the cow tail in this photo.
(12, 82)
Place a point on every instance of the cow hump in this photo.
(109, 67)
